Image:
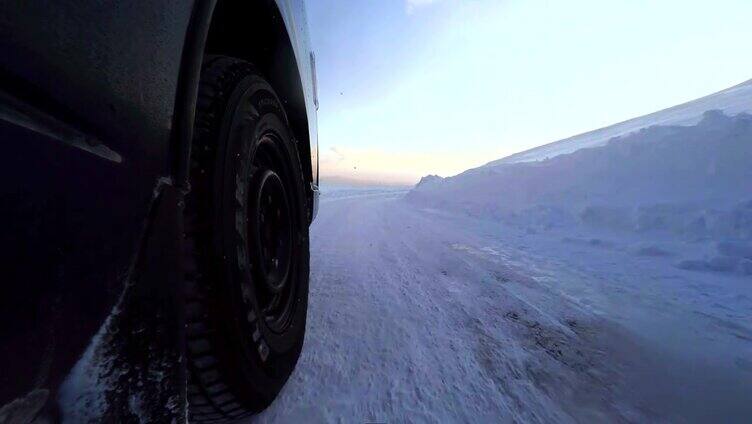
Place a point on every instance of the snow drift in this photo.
(692, 183)
(732, 101)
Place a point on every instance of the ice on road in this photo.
(419, 317)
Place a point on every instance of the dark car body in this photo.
(97, 104)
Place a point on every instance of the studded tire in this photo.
(245, 313)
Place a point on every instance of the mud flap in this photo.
(134, 368)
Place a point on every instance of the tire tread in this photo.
(209, 397)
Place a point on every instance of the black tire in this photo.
(245, 307)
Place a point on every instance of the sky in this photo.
(415, 87)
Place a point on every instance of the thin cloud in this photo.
(338, 156)
(412, 5)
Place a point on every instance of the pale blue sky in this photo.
(410, 87)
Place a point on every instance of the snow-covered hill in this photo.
(731, 101)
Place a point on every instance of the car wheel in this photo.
(246, 247)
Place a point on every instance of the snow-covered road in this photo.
(416, 316)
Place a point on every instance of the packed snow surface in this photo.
(420, 315)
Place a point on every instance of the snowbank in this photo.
(689, 183)
(731, 101)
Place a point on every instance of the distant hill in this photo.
(428, 180)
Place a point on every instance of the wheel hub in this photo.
(272, 227)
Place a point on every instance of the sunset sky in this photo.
(412, 87)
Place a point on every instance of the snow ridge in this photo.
(731, 101)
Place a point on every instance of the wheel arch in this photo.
(250, 30)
